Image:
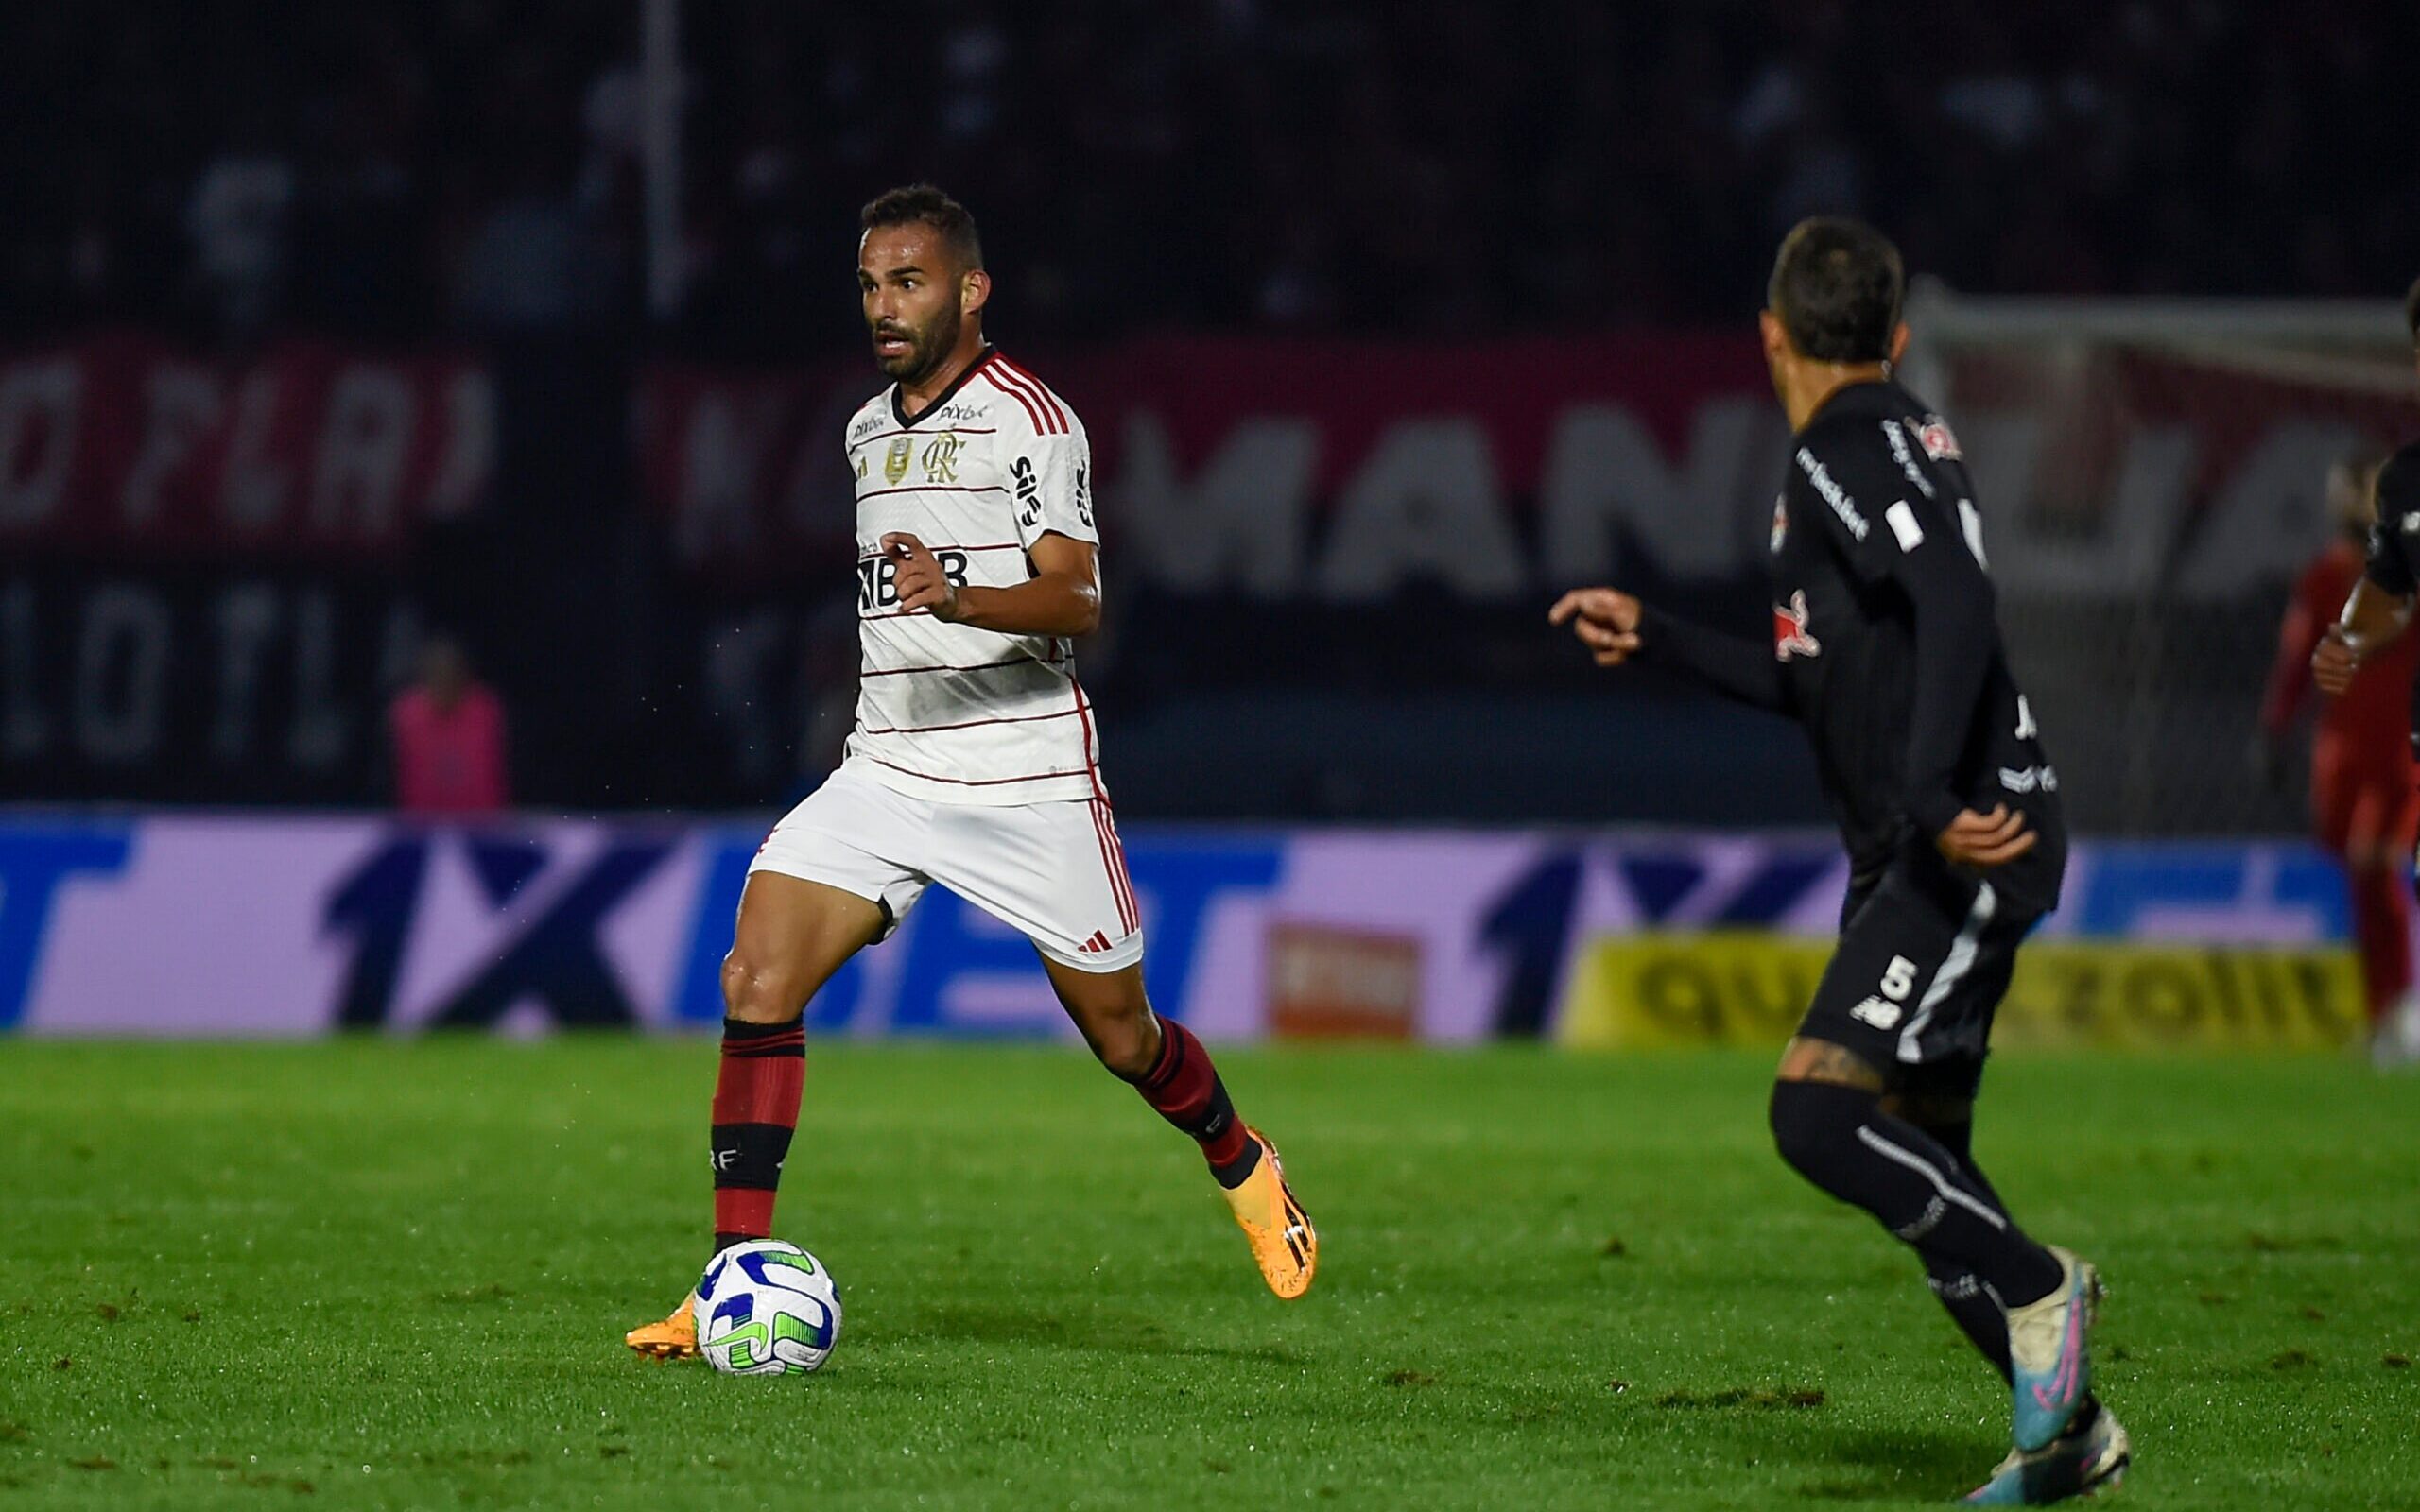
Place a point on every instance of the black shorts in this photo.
(1925, 955)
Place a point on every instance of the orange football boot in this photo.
(1283, 1240)
(675, 1338)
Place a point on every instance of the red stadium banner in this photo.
(1316, 472)
(123, 446)
(1299, 469)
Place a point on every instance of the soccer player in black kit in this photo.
(1886, 650)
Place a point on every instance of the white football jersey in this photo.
(947, 712)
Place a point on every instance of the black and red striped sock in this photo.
(1184, 1087)
(757, 1098)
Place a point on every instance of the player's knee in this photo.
(756, 991)
(1123, 1040)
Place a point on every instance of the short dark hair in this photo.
(2412, 311)
(1837, 285)
(920, 204)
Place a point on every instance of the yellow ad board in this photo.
(1748, 987)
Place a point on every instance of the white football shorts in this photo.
(1054, 872)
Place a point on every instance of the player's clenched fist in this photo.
(918, 578)
(2333, 664)
(1605, 619)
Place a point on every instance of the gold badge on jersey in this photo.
(940, 458)
(894, 462)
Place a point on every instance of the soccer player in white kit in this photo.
(973, 763)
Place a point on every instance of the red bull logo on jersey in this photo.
(1789, 630)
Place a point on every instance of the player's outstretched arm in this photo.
(1063, 597)
(2373, 618)
(1617, 627)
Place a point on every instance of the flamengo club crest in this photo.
(894, 462)
(941, 457)
(1789, 630)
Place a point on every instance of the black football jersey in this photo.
(1875, 534)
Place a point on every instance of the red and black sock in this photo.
(1184, 1087)
(756, 1098)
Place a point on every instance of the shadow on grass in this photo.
(977, 1323)
(1900, 1465)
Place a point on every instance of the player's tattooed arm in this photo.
(1063, 597)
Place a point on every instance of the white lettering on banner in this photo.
(121, 674)
(1606, 477)
(1424, 505)
(1243, 518)
(253, 487)
(181, 404)
(2269, 513)
(246, 616)
(365, 443)
(40, 405)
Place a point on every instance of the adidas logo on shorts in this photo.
(1094, 946)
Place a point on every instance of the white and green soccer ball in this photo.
(765, 1308)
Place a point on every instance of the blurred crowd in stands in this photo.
(401, 168)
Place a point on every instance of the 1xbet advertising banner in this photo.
(245, 926)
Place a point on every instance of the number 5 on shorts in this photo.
(1898, 980)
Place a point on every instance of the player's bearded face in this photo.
(908, 344)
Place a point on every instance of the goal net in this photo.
(2153, 477)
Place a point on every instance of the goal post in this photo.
(2153, 480)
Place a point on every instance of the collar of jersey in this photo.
(900, 414)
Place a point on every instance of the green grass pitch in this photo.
(395, 1275)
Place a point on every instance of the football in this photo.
(765, 1308)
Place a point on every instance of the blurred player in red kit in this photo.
(2364, 806)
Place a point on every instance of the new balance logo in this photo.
(1094, 946)
(1883, 1016)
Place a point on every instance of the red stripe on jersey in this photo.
(1054, 420)
(1041, 391)
(962, 782)
(979, 666)
(1007, 379)
(1031, 413)
(971, 724)
(1092, 764)
(937, 487)
(876, 554)
(960, 430)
